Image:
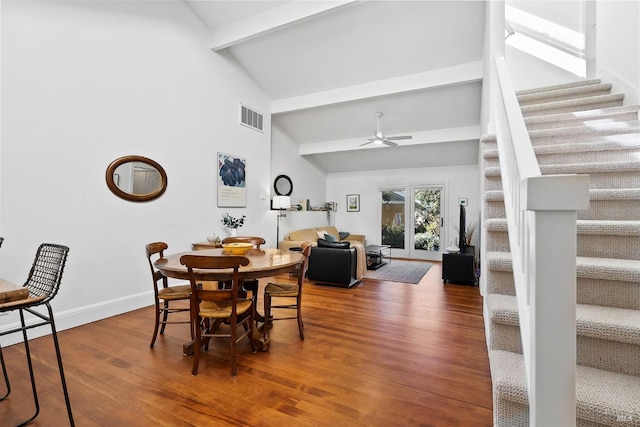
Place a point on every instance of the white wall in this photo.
(618, 47)
(460, 182)
(308, 179)
(87, 82)
(528, 72)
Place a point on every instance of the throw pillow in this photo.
(343, 234)
(322, 243)
(329, 238)
(321, 234)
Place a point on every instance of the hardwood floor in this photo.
(378, 354)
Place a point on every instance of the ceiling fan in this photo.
(379, 138)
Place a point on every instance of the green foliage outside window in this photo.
(427, 220)
(393, 235)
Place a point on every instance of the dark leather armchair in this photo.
(333, 266)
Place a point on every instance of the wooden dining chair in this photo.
(210, 307)
(253, 284)
(288, 291)
(164, 294)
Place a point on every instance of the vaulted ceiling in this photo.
(329, 66)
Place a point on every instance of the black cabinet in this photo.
(459, 267)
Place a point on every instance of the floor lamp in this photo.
(281, 203)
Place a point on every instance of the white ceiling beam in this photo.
(425, 137)
(272, 20)
(464, 73)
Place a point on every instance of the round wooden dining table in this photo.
(264, 262)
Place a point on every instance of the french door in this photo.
(413, 226)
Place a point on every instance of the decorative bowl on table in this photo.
(237, 248)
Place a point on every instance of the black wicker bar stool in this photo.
(43, 284)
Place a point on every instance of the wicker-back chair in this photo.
(43, 283)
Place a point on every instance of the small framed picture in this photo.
(463, 201)
(353, 203)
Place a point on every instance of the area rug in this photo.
(400, 271)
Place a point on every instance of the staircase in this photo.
(575, 128)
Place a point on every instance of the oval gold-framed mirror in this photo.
(136, 178)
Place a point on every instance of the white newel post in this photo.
(551, 202)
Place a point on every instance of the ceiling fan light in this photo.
(377, 141)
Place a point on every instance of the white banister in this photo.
(541, 217)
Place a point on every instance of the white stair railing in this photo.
(541, 217)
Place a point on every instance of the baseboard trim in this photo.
(75, 317)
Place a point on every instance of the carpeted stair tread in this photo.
(614, 128)
(499, 261)
(503, 309)
(494, 195)
(497, 224)
(581, 168)
(608, 398)
(576, 147)
(599, 115)
(594, 193)
(608, 323)
(603, 397)
(579, 83)
(578, 104)
(564, 93)
(609, 228)
(624, 270)
(613, 194)
(583, 226)
(508, 376)
(605, 323)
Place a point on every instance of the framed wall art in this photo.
(353, 203)
(232, 181)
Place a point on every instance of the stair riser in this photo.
(607, 246)
(490, 162)
(608, 293)
(588, 157)
(597, 180)
(608, 355)
(620, 210)
(509, 414)
(494, 210)
(500, 282)
(505, 337)
(597, 353)
(492, 183)
(621, 117)
(611, 180)
(572, 108)
(619, 247)
(489, 145)
(542, 99)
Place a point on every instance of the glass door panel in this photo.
(426, 236)
(393, 219)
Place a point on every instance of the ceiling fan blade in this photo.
(366, 143)
(389, 143)
(397, 138)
